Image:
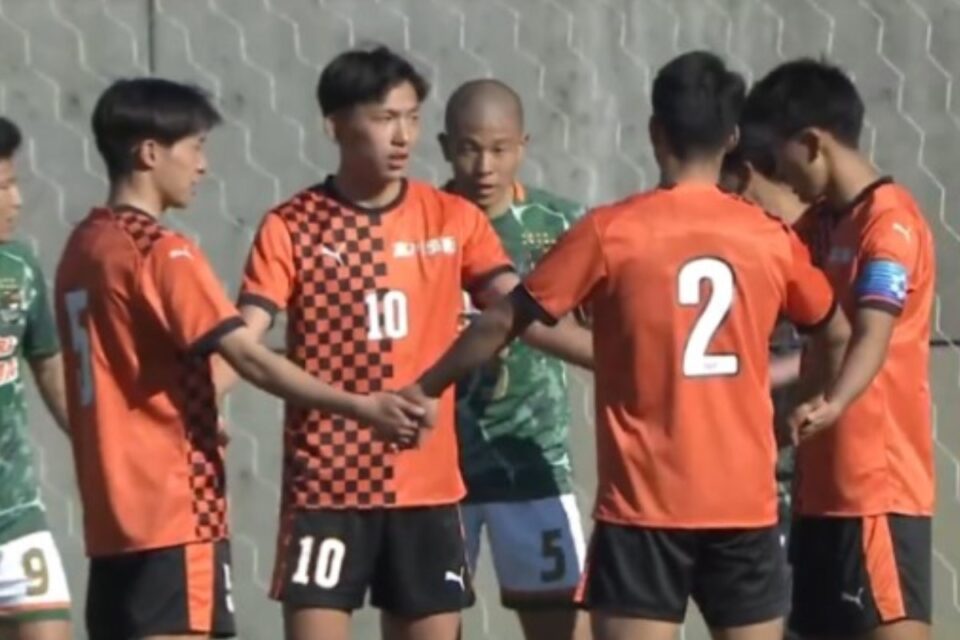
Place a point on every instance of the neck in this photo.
(367, 191)
(495, 208)
(790, 208)
(851, 174)
(674, 171)
(128, 193)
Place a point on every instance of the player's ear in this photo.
(444, 141)
(330, 128)
(812, 142)
(146, 154)
(658, 139)
(732, 140)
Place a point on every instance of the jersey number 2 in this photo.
(80, 342)
(697, 363)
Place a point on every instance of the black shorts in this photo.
(851, 575)
(736, 576)
(174, 590)
(412, 560)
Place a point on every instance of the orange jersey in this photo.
(138, 311)
(685, 285)
(373, 298)
(878, 458)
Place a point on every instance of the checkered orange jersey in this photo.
(373, 297)
(686, 285)
(138, 310)
(878, 252)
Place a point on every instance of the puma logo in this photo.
(902, 230)
(450, 576)
(856, 599)
(181, 253)
(331, 253)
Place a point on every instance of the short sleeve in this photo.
(888, 255)
(269, 276)
(568, 273)
(483, 255)
(40, 339)
(185, 295)
(809, 301)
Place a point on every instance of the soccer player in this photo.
(685, 284)
(370, 268)
(870, 504)
(34, 598)
(141, 312)
(513, 414)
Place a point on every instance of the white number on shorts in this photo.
(35, 569)
(330, 554)
(386, 318)
(697, 363)
(80, 341)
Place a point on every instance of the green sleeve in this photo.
(40, 338)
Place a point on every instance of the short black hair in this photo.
(755, 147)
(697, 102)
(362, 76)
(10, 138)
(137, 109)
(481, 88)
(807, 93)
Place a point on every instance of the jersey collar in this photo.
(861, 197)
(329, 188)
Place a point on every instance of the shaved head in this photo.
(484, 143)
(480, 99)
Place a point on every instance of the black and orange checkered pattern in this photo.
(337, 254)
(196, 398)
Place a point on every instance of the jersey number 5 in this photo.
(697, 363)
(80, 342)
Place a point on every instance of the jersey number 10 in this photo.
(697, 363)
(386, 315)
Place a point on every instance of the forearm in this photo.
(566, 340)
(225, 376)
(863, 359)
(483, 338)
(784, 370)
(277, 375)
(48, 375)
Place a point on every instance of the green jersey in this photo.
(513, 415)
(27, 332)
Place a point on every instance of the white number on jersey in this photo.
(80, 342)
(387, 316)
(330, 556)
(697, 363)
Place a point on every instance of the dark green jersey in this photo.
(27, 332)
(513, 415)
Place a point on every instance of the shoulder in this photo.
(18, 252)
(552, 201)
(307, 200)
(446, 201)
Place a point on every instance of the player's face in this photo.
(179, 168)
(378, 138)
(801, 163)
(485, 153)
(9, 200)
